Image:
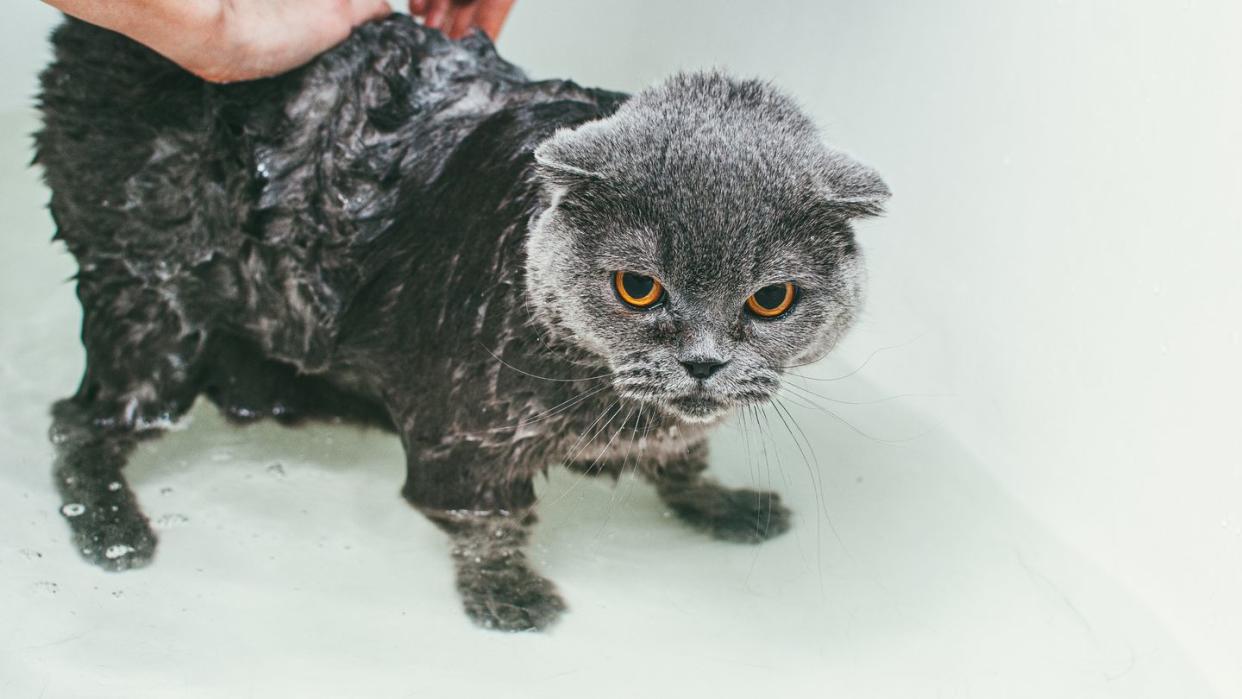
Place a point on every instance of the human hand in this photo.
(231, 40)
(457, 17)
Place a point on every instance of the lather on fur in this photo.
(410, 233)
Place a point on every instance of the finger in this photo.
(462, 20)
(365, 10)
(418, 7)
(437, 11)
(491, 16)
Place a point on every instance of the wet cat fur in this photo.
(409, 233)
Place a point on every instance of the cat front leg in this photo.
(498, 587)
(729, 514)
(488, 518)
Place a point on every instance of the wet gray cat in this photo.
(410, 233)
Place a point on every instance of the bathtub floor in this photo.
(289, 566)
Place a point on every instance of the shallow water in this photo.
(288, 564)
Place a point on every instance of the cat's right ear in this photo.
(565, 160)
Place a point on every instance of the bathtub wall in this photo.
(24, 26)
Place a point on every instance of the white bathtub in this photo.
(1033, 489)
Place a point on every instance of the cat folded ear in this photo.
(850, 187)
(571, 156)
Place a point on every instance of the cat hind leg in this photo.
(142, 368)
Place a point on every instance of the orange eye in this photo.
(638, 290)
(772, 300)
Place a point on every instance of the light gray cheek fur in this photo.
(845, 309)
(558, 306)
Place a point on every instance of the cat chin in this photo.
(696, 410)
(700, 420)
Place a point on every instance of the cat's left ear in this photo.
(851, 187)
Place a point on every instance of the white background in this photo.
(1060, 263)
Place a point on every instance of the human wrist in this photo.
(192, 33)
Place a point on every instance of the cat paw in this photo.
(113, 539)
(742, 515)
(508, 596)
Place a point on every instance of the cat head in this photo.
(699, 241)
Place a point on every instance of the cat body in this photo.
(408, 233)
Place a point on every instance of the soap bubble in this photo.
(117, 550)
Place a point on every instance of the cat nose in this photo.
(703, 369)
